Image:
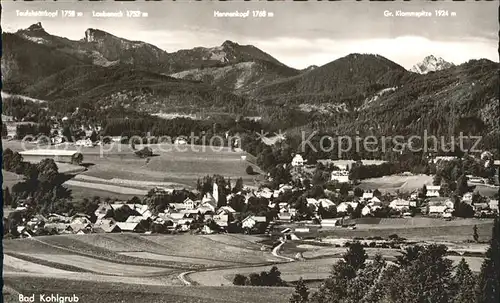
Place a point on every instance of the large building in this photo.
(341, 176)
(37, 155)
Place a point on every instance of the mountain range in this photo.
(361, 91)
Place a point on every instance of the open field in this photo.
(129, 255)
(106, 292)
(10, 179)
(99, 266)
(172, 166)
(394, 183)
(205, 248)
(452, 233)
(108, 188)
(293, 271)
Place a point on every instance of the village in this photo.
(258, 210)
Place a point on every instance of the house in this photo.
(142, 209)
(400, 204)
(312, 201)
(493, 205)
(102, 210)
(206, 230)
(443, 158)
(130, 227)
(250, 221)
(221, 220)
(439, 206)
(55, 218)
(374, 200)
(77, 227)
(80, 219)
(177, 206)
(59, 227)
(329, 222)
(467, 198)
(414, 196)
(189, 204)
(136, 219)
(285, 216)
(226, 210)
(326, 203)
(367, 196)
(369, 209)
(433, 191)
(341, 176)
(86, 143)
(344, 206)
(297, 160)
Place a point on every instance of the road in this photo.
(276, 252)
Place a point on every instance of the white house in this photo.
(493, 205)
(400, 204)
(467, 198)
(341, 176)
(433, 191)
(312, 201)
(297, 160)
(369, 209)
(188, 204)
(438, 207)
(250, 221)
(326, 203)
(226, 210)
(344, 206)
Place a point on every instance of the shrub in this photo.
(249, 170)
(394, 237)
(240, 280)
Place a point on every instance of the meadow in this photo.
(115, 171)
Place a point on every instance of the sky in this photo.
(300, 34)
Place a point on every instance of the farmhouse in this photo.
(326, 203)
(439, 206)
(297, 160)
(341, 176)
(36, 155)
(467, 198)
(344, 206)
(329, 222)
(221, 220)
(250, 221)
(493, 205)
(130, 227)
(369, 210)
(400, 204)
(102, 210)
(226, 210)
(433, 191)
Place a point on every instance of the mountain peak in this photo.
(92, 34)
(36, 27)
(229, 43)
(431, 64)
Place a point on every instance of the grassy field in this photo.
(10, 179)
(117, 168)
(293, 271)
(99, 292)
(130, 255)
(452, 232)
(395, 183)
